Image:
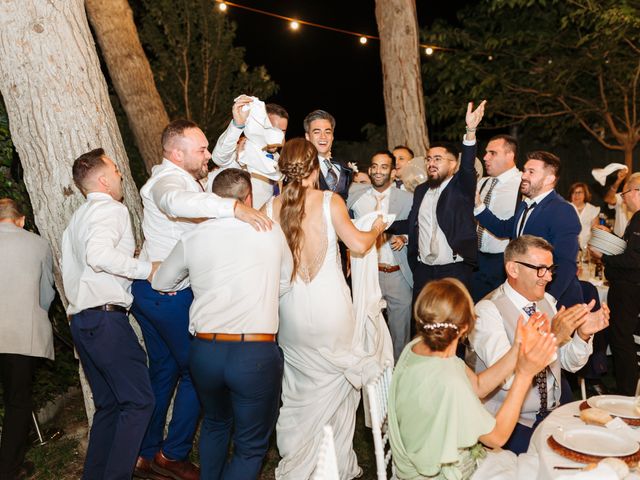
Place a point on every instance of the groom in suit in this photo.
(335, 175)
(396, 280)
(545, 214)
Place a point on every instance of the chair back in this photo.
(327, 466)
(378, 396)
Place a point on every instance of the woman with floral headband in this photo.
(436, 420)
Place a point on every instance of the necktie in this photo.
(541, 377)
(275, 187)
(523, 219)
(486, 201)
(383, 237)
(331, 177)
(398, 183)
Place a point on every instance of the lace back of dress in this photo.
(316, 242)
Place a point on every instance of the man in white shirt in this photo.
(227, 151)
(174, 203)
(97, 268)
(396, 280)
(529, 267)
(499, 192)
(403, 155)
(235, 361)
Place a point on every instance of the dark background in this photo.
(316, 68)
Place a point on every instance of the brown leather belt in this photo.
(109, 307)
(388, 268)
(237, 337)
(257, 176)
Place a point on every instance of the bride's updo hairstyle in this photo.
(442, 311)
(298, 160)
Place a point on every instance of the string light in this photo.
(295, 24)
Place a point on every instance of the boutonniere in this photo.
(353, 166)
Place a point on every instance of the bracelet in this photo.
(470, 130)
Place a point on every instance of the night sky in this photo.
(322, 69)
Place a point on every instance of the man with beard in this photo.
(394, 274)
(174, 203)
(545, 214)
(441, 228)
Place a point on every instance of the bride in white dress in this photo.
(316, 318)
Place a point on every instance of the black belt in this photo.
(109, 307)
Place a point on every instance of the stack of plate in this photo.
(606, 243)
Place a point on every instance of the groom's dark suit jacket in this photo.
(344, 180)
(555, 220)
(454, 212)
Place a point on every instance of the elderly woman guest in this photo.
(580, 197)
(436, 419)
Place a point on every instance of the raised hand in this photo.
(239, 114)
(474, 117)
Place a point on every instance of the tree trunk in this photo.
(403, 95)
(628, 155)
(58, 108)
(112, 22)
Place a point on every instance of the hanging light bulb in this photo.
(294, 25)
(428, 51)
(363, 40)
(222, 7)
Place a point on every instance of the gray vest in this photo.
(531, 404)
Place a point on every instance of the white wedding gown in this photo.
(328, 354)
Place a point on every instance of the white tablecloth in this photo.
(547, 459)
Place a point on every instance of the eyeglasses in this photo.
(622, 194)
(541, 270)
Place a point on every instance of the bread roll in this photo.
(617, 465)
(595, 416)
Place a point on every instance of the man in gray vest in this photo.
(529, 267)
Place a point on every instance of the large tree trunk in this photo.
(131, 74)
(58, 108)
(403, 97)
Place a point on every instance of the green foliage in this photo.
(552, 65)
(360, 153)
(197, 68)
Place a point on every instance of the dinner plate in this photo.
(598, 441)
(617, 405)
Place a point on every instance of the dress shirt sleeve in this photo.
(171, 197)
(47, 292)
(489, 338)
(224, 153)
(104, 236)
(575, 354)
(173, 273)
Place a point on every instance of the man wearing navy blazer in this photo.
(545, 214)
(441, 228)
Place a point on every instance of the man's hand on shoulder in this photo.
(253, 217)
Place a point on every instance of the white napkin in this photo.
(600, 174)
(260, 133)
(621, 428)
(601, 472)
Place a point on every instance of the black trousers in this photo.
(624, 302)
(16, 374)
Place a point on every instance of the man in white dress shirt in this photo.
(235, 361)
(97, 265)
(529, 267)
(499, 191)
(396, 280)
(174, 202)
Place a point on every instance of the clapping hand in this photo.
(537, 346)
(595, 322)
(567, 320)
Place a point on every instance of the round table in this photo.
(564, 416)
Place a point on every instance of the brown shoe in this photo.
(175, 469)
(143, 470)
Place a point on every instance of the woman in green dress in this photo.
(437, 423)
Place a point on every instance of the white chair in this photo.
(378, 396)
(327, 467)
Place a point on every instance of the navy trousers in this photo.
(164, 320)
(239, 384)
(116, 367)
(16, 374)
(488, 276)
